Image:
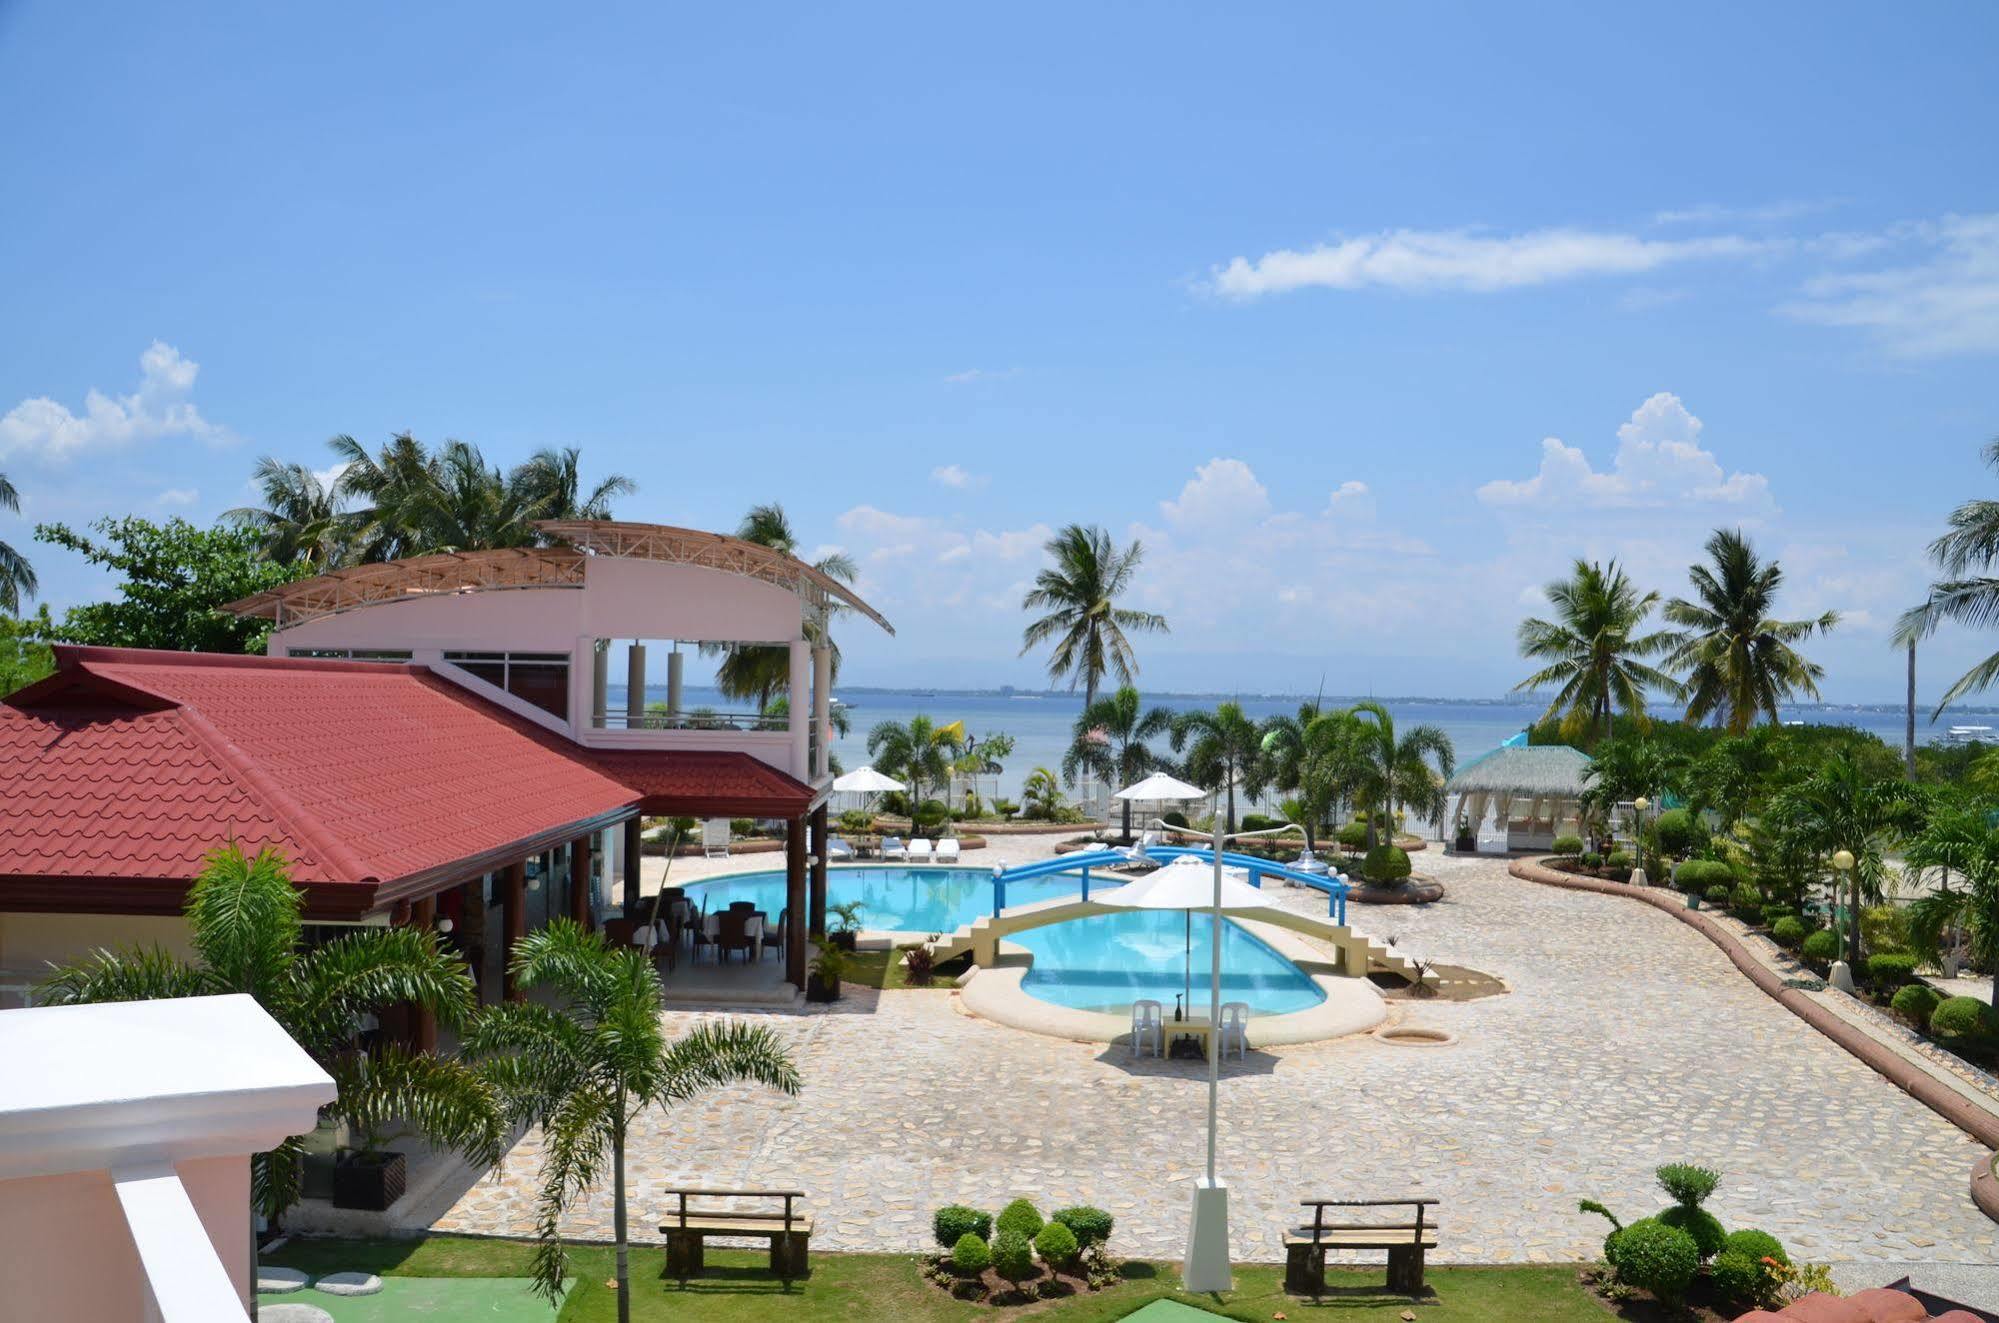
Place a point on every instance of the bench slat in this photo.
(1363, 1239)
(744, 1226)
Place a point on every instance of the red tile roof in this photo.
(119, 773)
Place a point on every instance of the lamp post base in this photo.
(1840, 976)
(1207, 1266)
(1638, 878)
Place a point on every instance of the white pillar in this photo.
(635, 686)
(600, 684)
(799, 701)
(673, 666)
(822, 708)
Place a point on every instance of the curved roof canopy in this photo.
(1536, 769)
(559, 566)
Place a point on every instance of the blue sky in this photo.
(1297, 295)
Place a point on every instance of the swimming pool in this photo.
(1100, 963)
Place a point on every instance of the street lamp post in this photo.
(1849, 885)
(1640, 804)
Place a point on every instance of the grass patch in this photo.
(856, 1287)
(884, 970)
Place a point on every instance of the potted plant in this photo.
(822, 981)
(369, 1176)
(1467, 839)
(847, 923)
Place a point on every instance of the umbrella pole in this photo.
(1206, 1267)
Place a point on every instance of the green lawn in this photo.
(879, 1286)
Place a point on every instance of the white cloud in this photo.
(1659, 462)
(177, 496)
(971, 376)
(1350, 498)
(1221, 492)
(159, 408)
(1468, 260)
(1948, 304)
(956, 475)
(1708, 213)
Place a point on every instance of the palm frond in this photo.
(139, 974)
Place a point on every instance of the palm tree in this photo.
(1080, 594)
(1839, 807)
(1042, 793)
(1109, 742)
(1955, 844)
(1397, 771)
(390, 487)
(755, 671)
(917, 752)
(1968, 592)
(1223, 747)
(552, 482)
(584, 1069)
(244, 922)
(1738, 659)
(17, 577)
(1322, 757)
(300, 518)
(1592, 646)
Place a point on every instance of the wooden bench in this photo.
(789, 1233)
(1406, 1242)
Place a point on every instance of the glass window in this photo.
(540, 678)
(351, 654)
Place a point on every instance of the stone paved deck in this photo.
(1627, 1040)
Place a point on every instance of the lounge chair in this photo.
(715, 838)
(919, 850)
(837, 849)
(1235, 1029)
(1137, 853)
(893, 848)
(947, 850)
(1148, 1026)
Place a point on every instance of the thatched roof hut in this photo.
(1531, 790)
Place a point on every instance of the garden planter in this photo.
(369, 1181)
(843, 940)
(1466, 844)
(818, 989)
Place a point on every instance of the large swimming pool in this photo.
(1101, 963)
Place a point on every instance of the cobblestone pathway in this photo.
(1627, 1040)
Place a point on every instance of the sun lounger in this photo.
(947, 850)
(838, 850)
(715, 838)
(893, 848)
(919, 850)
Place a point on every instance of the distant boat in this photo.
(1967, 734)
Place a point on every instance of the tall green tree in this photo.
(1840, 806)
(1591, 650)
(1223, 747)
(583, 1067)
(17, 576)
(173, 576)
(757, 671)
(25, 655)
(1967, 556)
(1079, 595)
(1958, 853)
(1737, 658)
(917, 752)
(1320, 757)
(1109, 742)
(1398, 770)
(300, 519)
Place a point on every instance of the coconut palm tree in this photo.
(1395, 771)
(918, 753)
(583, 1069)
(1109, 742)
(1838, 806)
(552, 482)
(300, 519)
(1955, 846)
(1320, 756)
(1223, 747)
(1737, 658)
(1591, 649)
(17, 577)
(1080, 595)
(755, 671)
(1968, 593)
(389, 490)
(244, 925)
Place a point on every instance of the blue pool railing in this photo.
(1082, 862)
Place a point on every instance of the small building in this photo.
(1519, 796)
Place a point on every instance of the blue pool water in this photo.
(1102, 963)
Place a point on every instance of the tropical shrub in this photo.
(1618, 859)
(919, 967)
(856, 822)
(1173, 818)
(1884, 928)
(1678, 832)
(1568, 847)
(1890, 969)
(1021, 1216)
(1655, 1257)
(1758, 1245)
(742, 826)
(1822, 945)
(953, 1222)
(1717, 895)
(1259, 822)
(1699, 876)
(1916, 1003)
(931, 814)
(1013, 1254)
(1961, 1018)
(1687, 1184)
(1776, 912)
(1092, 1226)
(1056, 1244)
(1737, 1278)
(1353, 836)
(1746, 899)
(970, 1255)
(1789, 932)
(1704, 1227)
(1385, 863)
(1590, 859)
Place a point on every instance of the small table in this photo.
(1191, 1027)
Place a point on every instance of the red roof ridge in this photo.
(83, 655)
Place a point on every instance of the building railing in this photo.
(692, 719)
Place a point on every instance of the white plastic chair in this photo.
(893, 848)
(947, 850)
(919, 850)
(715, 838)
(1235, 1029)
(1148, 1025)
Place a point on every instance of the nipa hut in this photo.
(1528, 793)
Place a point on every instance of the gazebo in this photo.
(1531, 792)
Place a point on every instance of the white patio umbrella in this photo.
(866, 781)
(1156, 789)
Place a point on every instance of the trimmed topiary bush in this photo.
(1353, 836)
(970, 1256)
(1617, 859)
(1775, 913)
(1091, 1226)
(1822, 945)
(1678, 832)
(1568, 846)
(1758, 1245)
(1654, 1257)
(1746, 900)
(1717, 895)
(953, 1222)
(1013, 1254)
(1385, 863)
(1704, 1227)
(1021, 1216)
(1687, 1184)
(1173, 818)
(1890, 969)
(1736, 1277)
(1699, 875)
(1056, 1245)
(1916, 1003)
(1590, 859)
(1961, 1018)
(1789, 932)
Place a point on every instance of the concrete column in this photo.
(513, 921)
(635, 686)
(631, 862)
(794, 902)
(799, 712)
(600, 685)
(674, 706)
(580, 908)
(472, 931)
(816, 907)
(822, 711)
(423, 1025)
